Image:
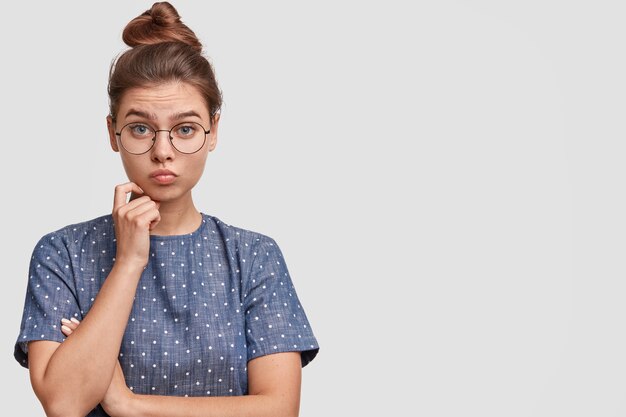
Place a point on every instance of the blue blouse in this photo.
(206, 304)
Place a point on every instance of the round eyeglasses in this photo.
(138, 138)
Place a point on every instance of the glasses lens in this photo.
(188, 137)
(137, 138)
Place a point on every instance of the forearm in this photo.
(239, 406)
(94, 345)
(274, 385)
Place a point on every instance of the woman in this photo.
(159, 309)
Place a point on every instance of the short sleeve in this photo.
(50, 295)
(275, 319)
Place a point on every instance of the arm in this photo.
(48, 361)
(73, 391)
(274, 391)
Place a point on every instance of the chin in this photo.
(164, 194)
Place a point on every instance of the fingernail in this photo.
(140, 189)
(65, 321)
(66, 329)
(75, 321)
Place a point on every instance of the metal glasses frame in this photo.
(169, 135)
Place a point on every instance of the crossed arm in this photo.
(273, 380)
(73, 377)
(62, 374)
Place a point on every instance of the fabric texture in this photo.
(206, 304)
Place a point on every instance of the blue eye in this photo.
(185, 131)
(140, 130)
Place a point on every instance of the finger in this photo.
(121, 190)
(71, 324)
(66, 330)
(141, 210)
(149, 216)
(154, 222)
(145, 213)
(133, 204)
(133, 196)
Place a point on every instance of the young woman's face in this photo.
(161, 108)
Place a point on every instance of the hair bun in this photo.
(159, 24)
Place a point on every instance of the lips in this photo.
(163, 176)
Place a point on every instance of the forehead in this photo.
(163, 101)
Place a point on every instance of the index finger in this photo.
(119, 199)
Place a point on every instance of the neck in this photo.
(177, 218)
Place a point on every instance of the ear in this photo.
(112, 136)
(213, 134)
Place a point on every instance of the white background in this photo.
(445, 180)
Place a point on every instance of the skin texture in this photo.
(62, 374)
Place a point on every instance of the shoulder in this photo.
(94, 229)
(236, 238)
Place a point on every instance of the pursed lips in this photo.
(163, 176)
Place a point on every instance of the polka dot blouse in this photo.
(206, 304)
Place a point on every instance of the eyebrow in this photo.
(152, 116)
(143, 114)
(183, 115)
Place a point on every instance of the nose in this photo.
(162, 149)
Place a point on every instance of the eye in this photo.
(186, 130)
(139, 130)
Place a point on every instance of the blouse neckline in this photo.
(199, 230)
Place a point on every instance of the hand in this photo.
(133, 222)
(117, 399)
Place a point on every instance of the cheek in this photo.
(199, 166)
(131, 166)
(198, 161)
(193, 171)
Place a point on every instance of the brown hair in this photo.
(163, 49)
